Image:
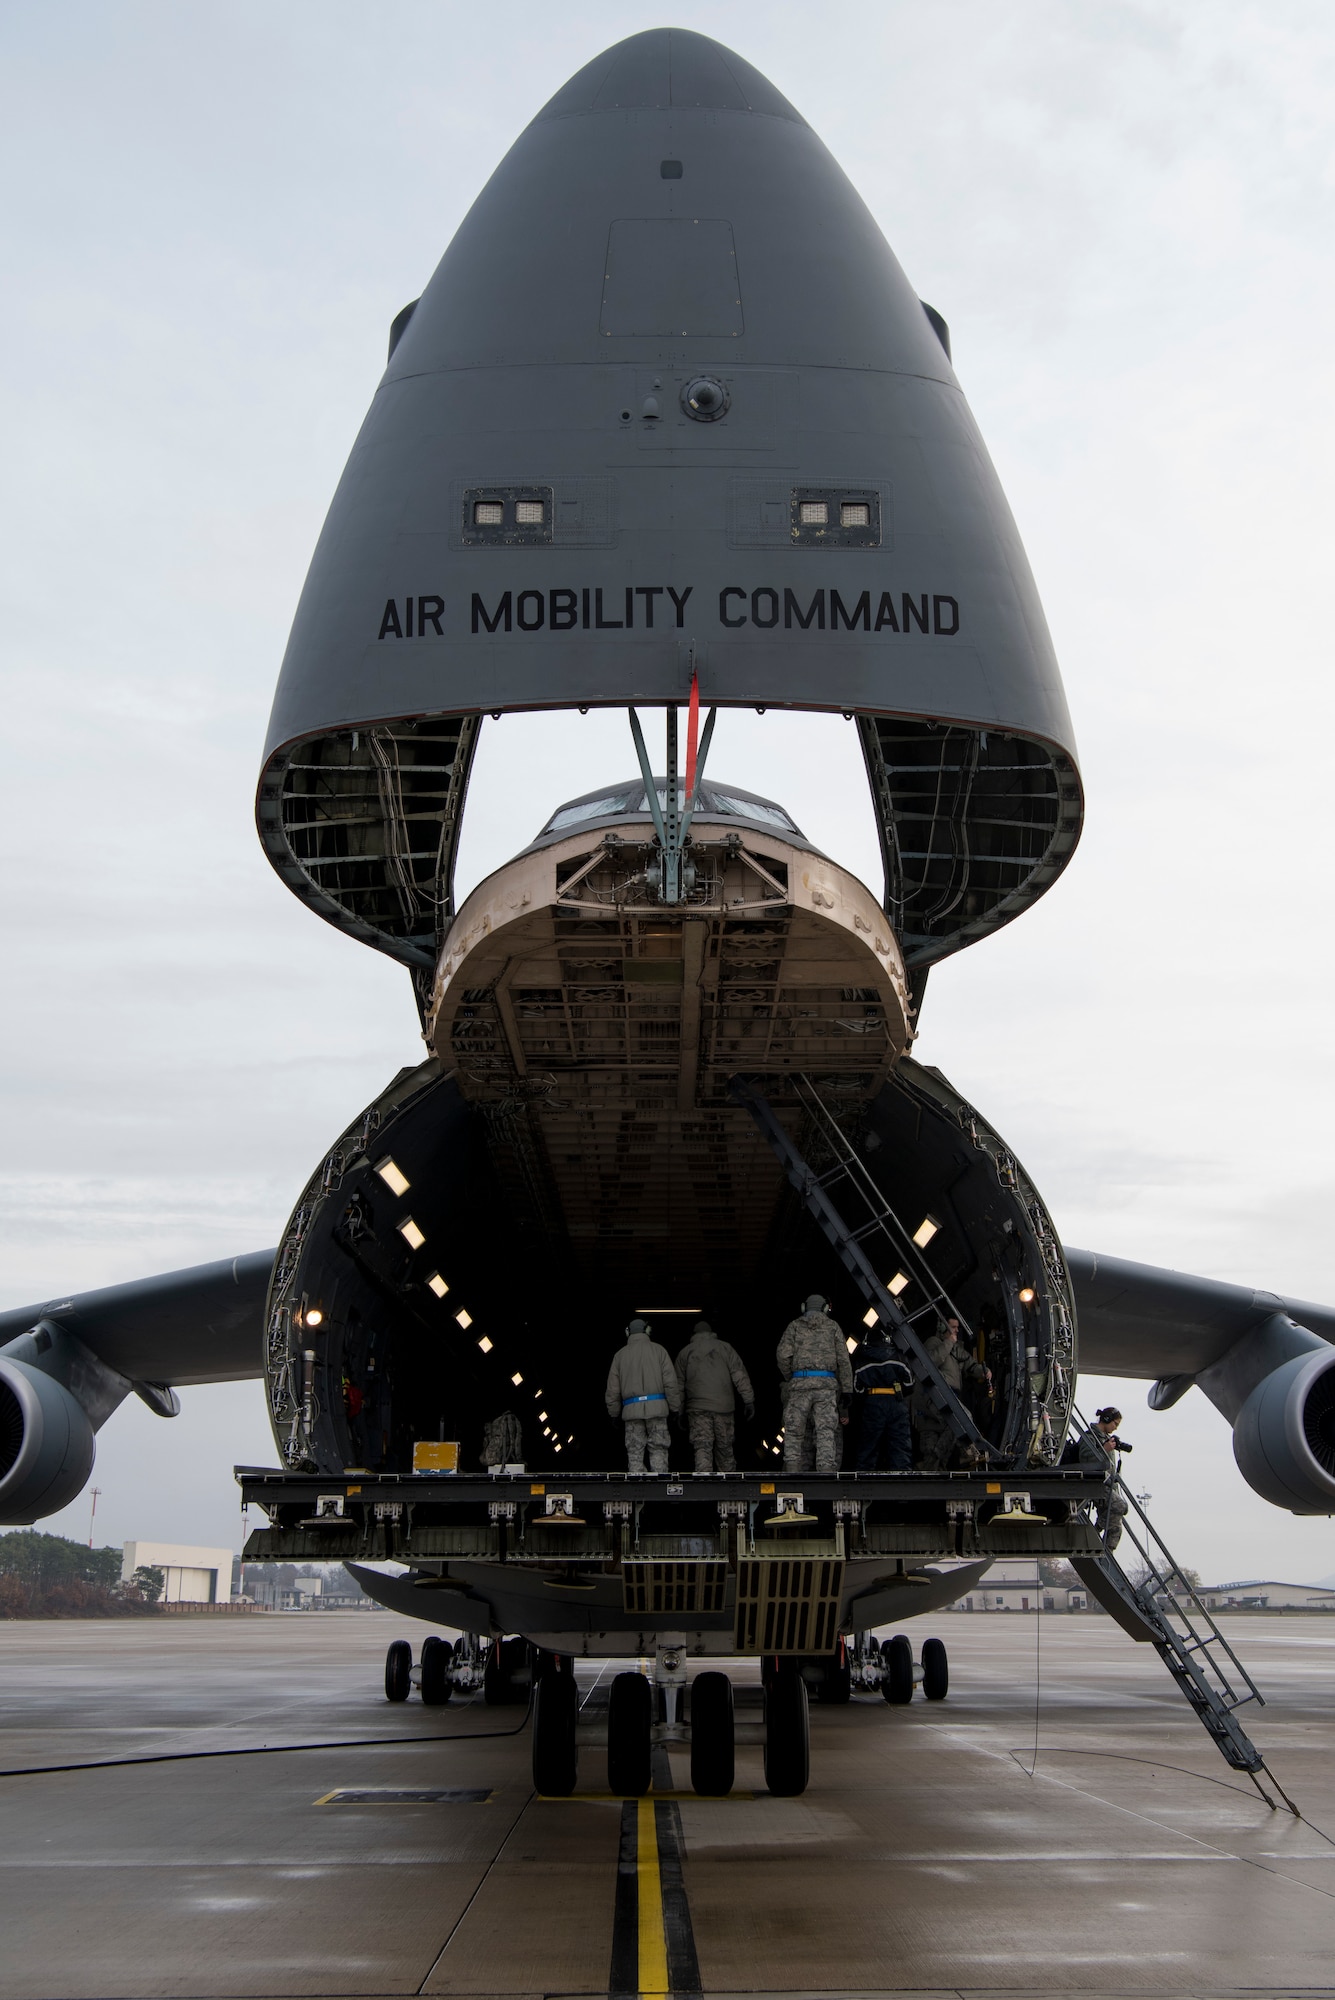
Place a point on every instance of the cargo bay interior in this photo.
(574, 1153)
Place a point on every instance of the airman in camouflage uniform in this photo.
(813, 1361)
(958, 1364)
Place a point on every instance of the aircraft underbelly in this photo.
(494, 1598)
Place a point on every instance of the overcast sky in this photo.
(212, 215)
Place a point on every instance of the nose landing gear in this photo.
(555, 1749)
(630, 1736)
(713, 1754)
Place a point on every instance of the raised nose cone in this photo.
(666, 69)
(669, 404)
(669, 193)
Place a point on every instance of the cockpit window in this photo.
(582, 809)
(757, 809)
(631, 799)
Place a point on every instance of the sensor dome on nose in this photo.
(705, 399)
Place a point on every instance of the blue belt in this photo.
(644, 1399)
(825, 1374)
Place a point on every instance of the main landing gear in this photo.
(892, 1667)
(445, 1668)
(432, 1677)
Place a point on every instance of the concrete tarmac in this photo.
(924, 1858)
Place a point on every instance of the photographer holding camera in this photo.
(1100, 1446)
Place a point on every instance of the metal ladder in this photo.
(1184, 1635)
(881, 1223)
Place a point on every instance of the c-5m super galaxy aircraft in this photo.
(669, 430)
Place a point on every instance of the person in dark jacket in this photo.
(881, 1386)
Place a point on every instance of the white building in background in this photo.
(1015, 1586)
(191, 1576)
(1259, 1595)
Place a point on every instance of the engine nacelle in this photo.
(1284, 1435)
(46, 1444)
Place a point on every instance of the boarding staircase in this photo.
(1161, 1608)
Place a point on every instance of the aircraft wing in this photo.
(204, 1324)
(67, 1363)
(1140, 1321)
(1266, 1362)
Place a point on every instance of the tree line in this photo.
(49, 1576)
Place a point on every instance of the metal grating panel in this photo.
(482, 1543)
(893, 1538)
(788, 1605)
(674, 1586)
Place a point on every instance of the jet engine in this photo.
(1284, 1435)
(46, 1444)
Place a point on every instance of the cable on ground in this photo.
(271, 1749)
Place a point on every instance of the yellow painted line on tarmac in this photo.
(653, 1978)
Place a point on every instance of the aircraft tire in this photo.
(437, 1658)
(398, 1671)
(555, 1752)
(836, 1679)
(629, 1738)
(787, 1736)
(897, 1669)
(935, 1670)
(713, 1753)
